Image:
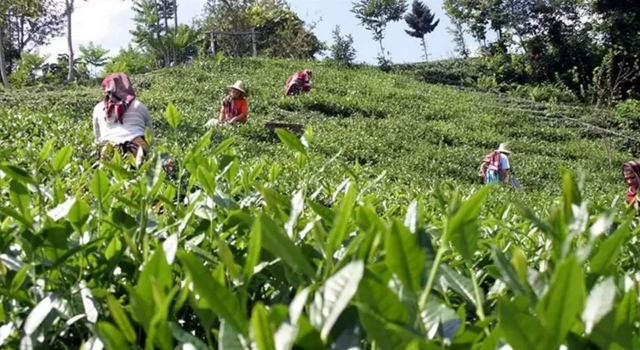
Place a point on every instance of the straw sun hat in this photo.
(504, 148)
(239, 85)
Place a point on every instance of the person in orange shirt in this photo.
(235, 108)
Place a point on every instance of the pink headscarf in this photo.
(119, 86)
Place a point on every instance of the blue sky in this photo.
(108, 22)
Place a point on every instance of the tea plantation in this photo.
(370, 231)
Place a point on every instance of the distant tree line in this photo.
(591, 47)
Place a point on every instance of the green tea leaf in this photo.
(224, 145)
(411, 218)
(173, 116)
(521, 330)
(291, 141)
(156, 271)
(20, 198)
(462, 228)
(459, 283)
(564, 300)
(599, 303)
(603, 261)
(230, 339)
(39, 313)
(277, 243)
(45, 153)
(375, 295)
(100, 185)
(379, 330)
(207, 181)
(509, 274)
(253, 254)
(226, 256)
(18, 279)
(111, 336)
(79, 213)
(15, 215)
(62, 158)
(438, 318)
(261, 329)
(324, 212)
(159, 333)
(519, 261)
(334, 296)
(186, 338)
(571, 194)
(121, 319)
(17, 173)
(220, 300)
(404, 256)
(339, 231)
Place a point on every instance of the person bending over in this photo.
(120, 120)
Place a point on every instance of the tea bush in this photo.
(369, 231)
(627, 114)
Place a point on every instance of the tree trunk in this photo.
(157, 6)
(70, 75)
(424, 47)
(175, 30)
(3, 68)
(166, 30)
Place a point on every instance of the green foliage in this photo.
(421, 22)
(130, 61)
(281, 32)
(284, 241)
(94, 56)
(627, 114)
(375, 15)
(342, 50)
(27, 72)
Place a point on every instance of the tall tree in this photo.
(457, 30)
(281, 32)
(148, 30)
(6, 7)
(342, 50)
(94, 56)
(375, 15)
(69, 11)
(175, 28)
(421, 22)
(3, 65)
(27, 29)
(166, 12)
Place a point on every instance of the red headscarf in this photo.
(633, 167)
(118, 85)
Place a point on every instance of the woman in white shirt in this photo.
(120, 119)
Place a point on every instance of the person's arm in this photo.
(221, 117)
(239, 119)
(504, 168)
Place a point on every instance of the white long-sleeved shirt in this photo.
(134, 123)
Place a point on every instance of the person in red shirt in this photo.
(631, 172)
(235, 108)
(300, 82)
